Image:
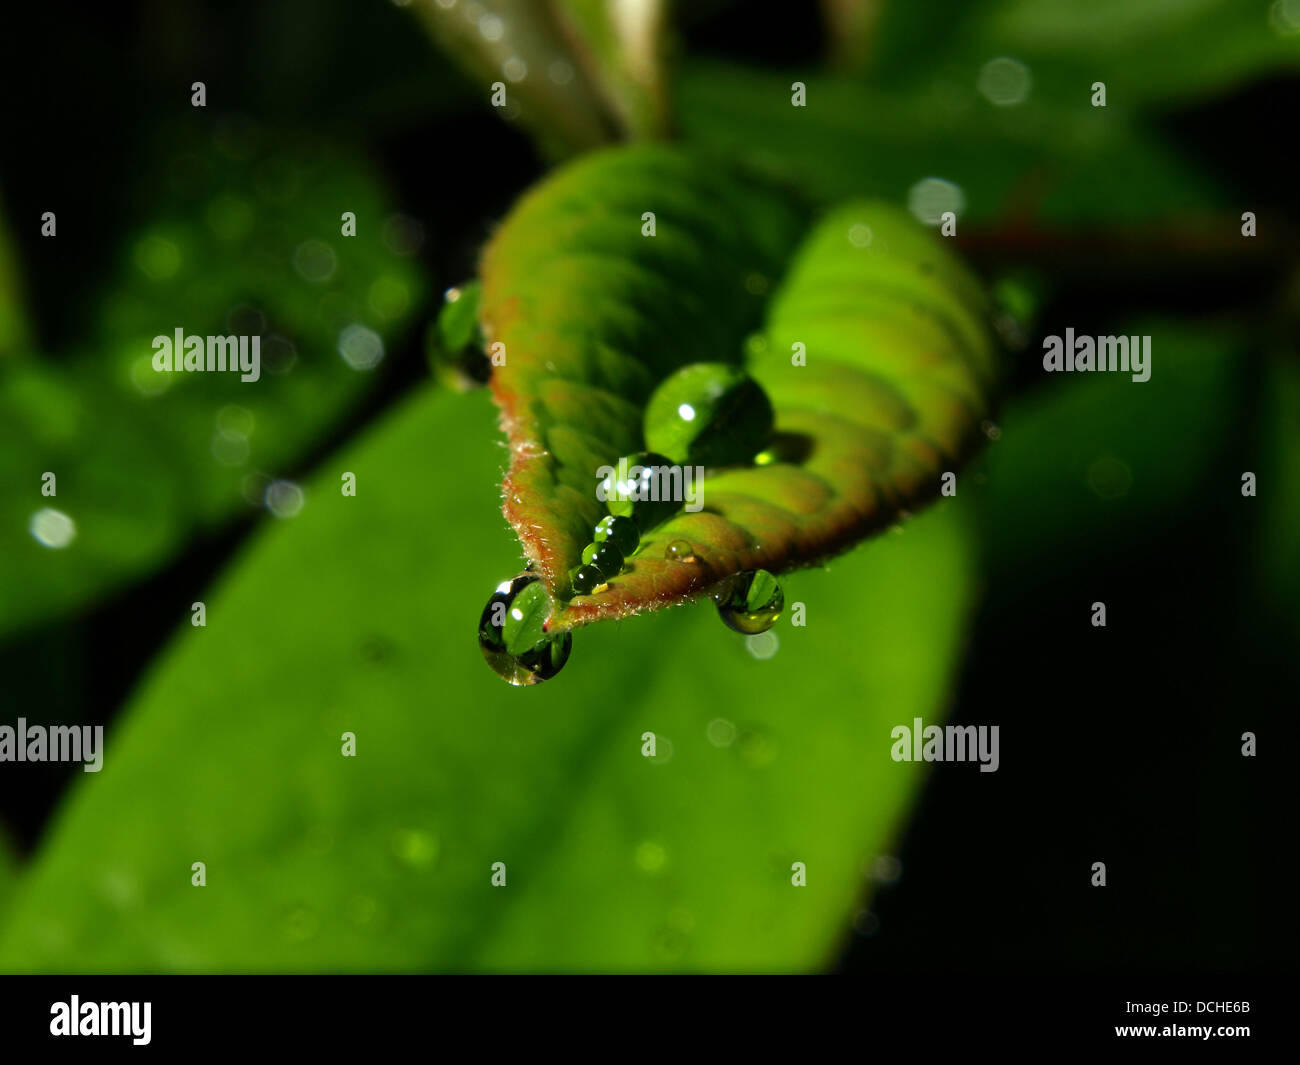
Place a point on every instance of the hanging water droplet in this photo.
(680, 551)
(512, 633)
(750, 602)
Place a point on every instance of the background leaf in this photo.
(231, 755)
(247, 242)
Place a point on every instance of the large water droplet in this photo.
(750, 602)
(680, 551)
(709, 414)
(512, 633)
(621, 531)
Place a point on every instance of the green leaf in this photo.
(1081, 464)
(1064, 162)
(873, 350)
(358, 616)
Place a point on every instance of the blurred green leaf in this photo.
(247, 241)
(358, 616)
(1065, 163)
(8, 869)
(1146, 51)
(1081, 465)
(894, 380)
(1276, 558)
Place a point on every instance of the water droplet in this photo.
(650, 856)
(621, 531)
(120, 889)
(278, 354)
(360, 347)
(362, 909)
(866, 923)
(512, 633)
(680, 551)
(235, 421)
(605, 556)
(709, 414)
(52, 528)
(284, 499)
(301, 924)
(315, 261)
(663, 751)
(514, 69)
(990, 430)
(763, 645)
(721, 732)
(930, 197)
(750, 602)
(158, 258)
(885, 869)
(415, 847)
(587, 580)
(668, 943)
(860, 236)
(1110, 477)
(1004, 81)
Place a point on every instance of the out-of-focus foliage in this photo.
(925, 104)
(358, 617)
(1081, 466)
(246, 239)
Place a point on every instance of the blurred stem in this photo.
(851, 33)
(1201, 252)
(578, 73)
(621, 44)
(14, 332)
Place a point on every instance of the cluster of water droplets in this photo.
(696, 414)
